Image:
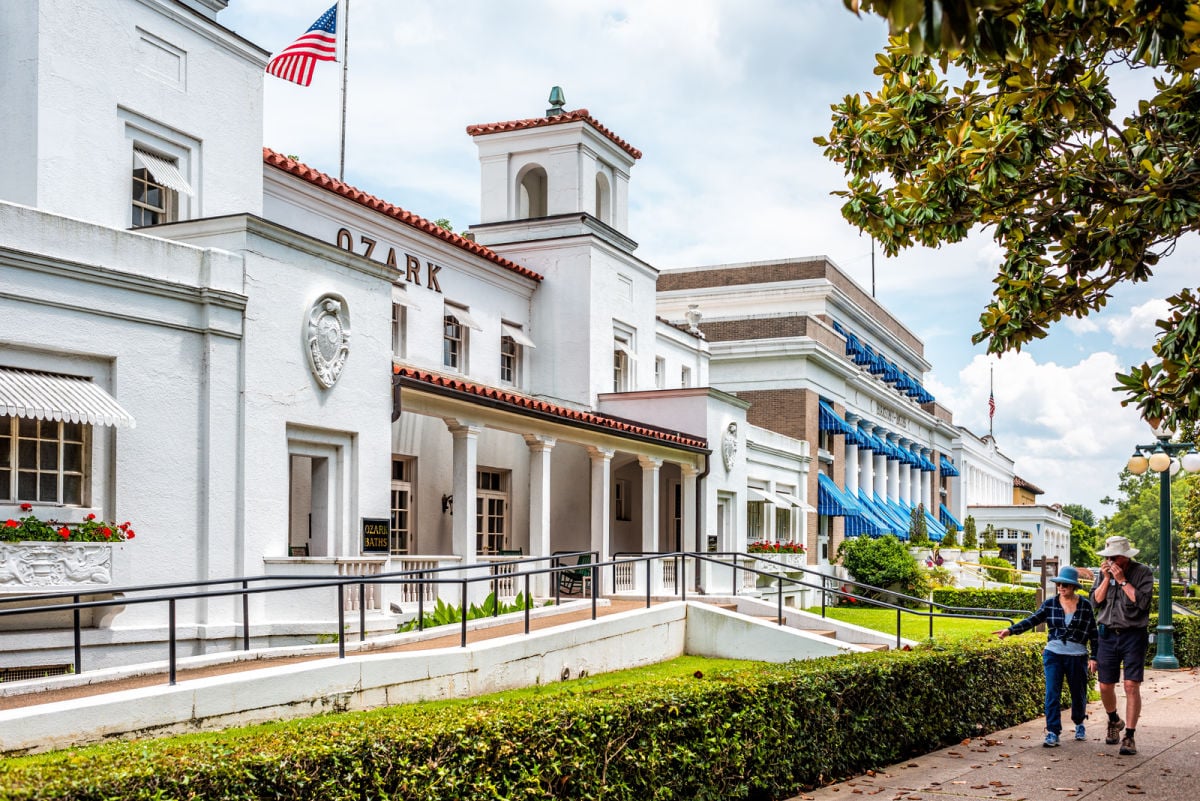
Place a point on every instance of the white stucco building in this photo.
(266, 364)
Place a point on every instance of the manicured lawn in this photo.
(912, 626)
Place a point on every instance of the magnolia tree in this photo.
(1028, 145)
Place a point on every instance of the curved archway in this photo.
(531, 193)
(603, 198)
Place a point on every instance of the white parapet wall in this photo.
(370, 680)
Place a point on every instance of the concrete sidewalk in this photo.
(1012, 764)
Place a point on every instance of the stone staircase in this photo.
(810, 624)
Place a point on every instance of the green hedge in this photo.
(1187, 639)
(751, 735)
(987, 599)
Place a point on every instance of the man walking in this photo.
(1121, 595)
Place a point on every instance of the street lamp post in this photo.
(1164, 459)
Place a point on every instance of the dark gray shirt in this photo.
(1116, 610)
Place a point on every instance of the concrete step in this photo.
(874, 646)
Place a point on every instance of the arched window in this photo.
(531, 193)
(603, 199)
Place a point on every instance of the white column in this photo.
(881, 475)
(540, 449)
(905, 488)
(687, 497)
(650, 500)
(866, 471)
(852, 469)
(462, 525)
(927, 490)
(893, 479)
(601, 493)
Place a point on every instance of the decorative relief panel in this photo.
(38, 565)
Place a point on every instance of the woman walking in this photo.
(1070, 651)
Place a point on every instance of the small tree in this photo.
(970, 538)
(918, 530)
(951, 538)
(989, 538)
(885, 563)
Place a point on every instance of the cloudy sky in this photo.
(723, 97)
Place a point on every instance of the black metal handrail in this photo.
(432, 577)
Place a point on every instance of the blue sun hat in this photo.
(1068, 575)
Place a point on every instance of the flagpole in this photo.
(991, 398)
(345, 76)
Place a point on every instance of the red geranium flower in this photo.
(128, 535)
(12, 523)
(106, 531)
(64, 532)
(27, 507)
(91, 516)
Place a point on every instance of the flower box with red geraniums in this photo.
(789, 553)
(42, 555)
(33, 529)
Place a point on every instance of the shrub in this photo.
(918, 529)
(443, 613)
(998, 569)
(940, 576)
(970, 538)
(974, 598)
(757, 734)
(989, 538)
(883, 562)
(1187, 639)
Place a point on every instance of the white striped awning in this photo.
(47, 396)
(163, 171)
(518, 334)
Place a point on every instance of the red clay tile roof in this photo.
(539, 122)
(525, 402)
(1021, 483)
(322, 180)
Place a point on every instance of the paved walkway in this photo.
(1012, 765)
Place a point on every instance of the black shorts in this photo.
(1121, 646)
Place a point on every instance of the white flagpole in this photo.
(345, 75)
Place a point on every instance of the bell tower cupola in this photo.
(565, 163)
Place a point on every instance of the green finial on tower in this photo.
(557, 101)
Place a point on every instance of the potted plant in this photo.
(989, 546)
(918, 534)
(970, 538)
(37, 554)
(950, 549)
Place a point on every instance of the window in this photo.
(754, 520)
(603, 199)
(622, 361)
(454, 335)
(157, 186)
(510, 354)
(399, 330)
(660, 372)
(824, 532)
(622, 503)
(783, 524)
(404, 538)
(685, 377)
(825, 440)
(491, 511)
(44, 461)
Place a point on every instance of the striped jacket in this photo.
(1082, 628)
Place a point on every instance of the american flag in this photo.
(296, 62)
(991, 405)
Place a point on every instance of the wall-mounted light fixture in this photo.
(447, 504)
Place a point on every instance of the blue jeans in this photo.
(1074, 670)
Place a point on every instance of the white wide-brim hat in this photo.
(1118, 546)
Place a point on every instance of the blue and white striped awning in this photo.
(829, 420)
(949, 519)
(948, 468)
(831, 500)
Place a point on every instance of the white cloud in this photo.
(1063, 424)
(1086, 325)
(1137, 328)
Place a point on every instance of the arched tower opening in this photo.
(532, 193)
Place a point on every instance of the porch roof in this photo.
(534, 407)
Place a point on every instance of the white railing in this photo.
(625, 576)
(668, 574)
(501, 567)
(412, 592)
(372, 598)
